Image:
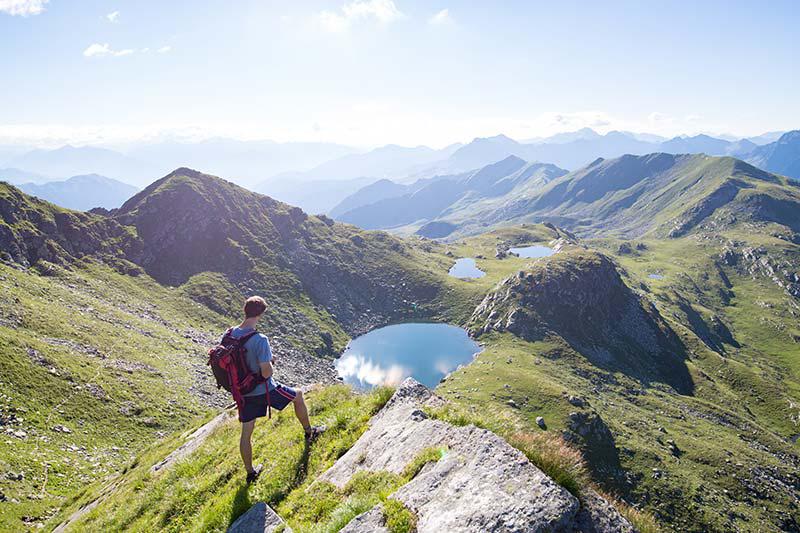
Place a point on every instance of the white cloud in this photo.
(366, 371)
(441, 18)
(104, 50)
(22, 8)
(164, 49)
(381, 11)
(113, 16)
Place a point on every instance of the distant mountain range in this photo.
(82, 193)
(318, 176)
(781, 156)
(566, 150)
(16, 176)
(248, 162)
(432, 198)
(625, 196)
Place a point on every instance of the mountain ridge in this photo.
(83, 192)
(631, 195)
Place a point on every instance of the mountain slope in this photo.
(635, 195)
(429, 199)
(32, 230)
(191, 223)
(369, 194)
(780, 157)
(599, 316)
(82, 193)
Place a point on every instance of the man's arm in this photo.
(266, 369)
(265, 358)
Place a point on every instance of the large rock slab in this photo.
(260, 518)
(397, 434)
(481, 484)
(484, 484)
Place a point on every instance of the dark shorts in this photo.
(256, 406)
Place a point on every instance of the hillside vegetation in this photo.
(664, 348)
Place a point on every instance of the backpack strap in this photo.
(246, 337)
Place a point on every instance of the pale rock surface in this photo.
(260, 518)
(481, 483)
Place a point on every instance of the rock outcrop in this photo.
(596, 313)
(480, 483)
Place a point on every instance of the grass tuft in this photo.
(399, 519)
(553, 456)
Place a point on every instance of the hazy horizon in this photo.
(366, 73)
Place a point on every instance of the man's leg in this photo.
(301, 411)
(245, 445)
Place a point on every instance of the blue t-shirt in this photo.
(258, 351)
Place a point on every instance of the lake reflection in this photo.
(537, 250)
(466, 268)
(386, 356)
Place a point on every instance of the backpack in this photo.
(229, 365)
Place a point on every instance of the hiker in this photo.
(254, 388)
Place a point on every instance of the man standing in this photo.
(259, 358)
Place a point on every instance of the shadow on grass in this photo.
(241, 503)
(301, 470)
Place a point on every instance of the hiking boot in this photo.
(252, 476)
(313, 432)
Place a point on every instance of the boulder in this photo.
(480, 484)
(260, 518)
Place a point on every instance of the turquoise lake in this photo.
(536, 250)
(388, 355)
(466, 268)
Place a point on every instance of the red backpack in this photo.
(227, 361)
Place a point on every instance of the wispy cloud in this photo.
(104, 50)
(164, 49)
(441, 18)
(381, 11)
(22, 8)
(113, 16)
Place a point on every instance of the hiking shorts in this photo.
(256, 406)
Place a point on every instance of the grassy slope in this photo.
(207, 491)
(102, 354)
(722, 442)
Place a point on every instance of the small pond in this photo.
(466, 268)
(537, 250)
(655, 276)
(388, 355)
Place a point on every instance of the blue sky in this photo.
(369, 72)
